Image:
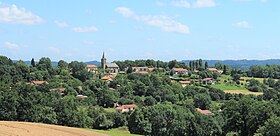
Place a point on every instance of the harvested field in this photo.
(10, 128)
(242, 92)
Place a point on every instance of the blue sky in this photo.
(143, 29)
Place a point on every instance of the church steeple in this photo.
(103, 56)
(103, 61)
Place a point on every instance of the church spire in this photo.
(103, 56)
(103, 61)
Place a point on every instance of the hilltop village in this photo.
(146, 97)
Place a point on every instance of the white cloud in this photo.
(53, 49)
(126, 12)
(13, 14)
(165, 23)
(61, 24)
(204, 3)
(180, 3)
(85, 29)
(242, 24)
(12, 46)
(187, 4)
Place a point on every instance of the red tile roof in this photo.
(151, 69)
(91, 66)
(212, 69)
(179, 69)
(107, 78)
(128, 106)
(204, 112)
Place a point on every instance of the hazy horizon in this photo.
(132, 30)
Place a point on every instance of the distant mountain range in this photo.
(242, 64)
(239, 64)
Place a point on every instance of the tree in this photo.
(202, 101)
(256, 86)
(235, 76)
(225, 70)
(33, 64)
(138, 124)
(190, 65)
(102, 122)
(150, 101)
(271, 127)
(62, 64)
(219, 65)
(200, 63)
(78, 70)
(44, 64)
(129, 70)
(196, 64)
(172, 64)
(206, 65)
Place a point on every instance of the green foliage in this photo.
(202, 101)
(164, 106)
(271, 127)
(256, 86)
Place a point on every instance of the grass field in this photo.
(242, 92)
(123, 131)
(13, 128)
(110, 109)
(228, 87)
(248, 78)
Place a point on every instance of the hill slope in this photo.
(10, 128)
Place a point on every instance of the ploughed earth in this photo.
(10, 128)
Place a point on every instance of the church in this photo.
(111, 68)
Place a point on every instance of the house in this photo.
(61, 90)
(215, 70)
(107, 78)
(112, 68)
(208, 81)
(126, 108)
(92, 68)
(185, 83)
(179, 71)
(151, 69)
(141, 73)
(204, 112)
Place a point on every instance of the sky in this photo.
(140, 29)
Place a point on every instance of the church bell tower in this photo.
(103, 61)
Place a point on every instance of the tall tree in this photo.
(190, 65)
(225, 69)
(33, 64)
(196, 64)
(200, 63)
(206, 65)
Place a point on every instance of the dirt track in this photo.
(9, 128)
